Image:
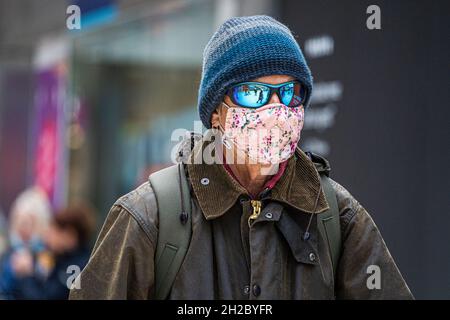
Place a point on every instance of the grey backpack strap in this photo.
(328, 221)
(175, 225)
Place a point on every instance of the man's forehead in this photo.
(274, 79)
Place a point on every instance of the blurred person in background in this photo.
(67, 243)
(68, 239)
(26, 255)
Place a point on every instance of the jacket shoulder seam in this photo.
(347, 215)
(149, 229)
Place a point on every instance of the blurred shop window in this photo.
(137, 81)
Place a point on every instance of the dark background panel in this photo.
(389, 144)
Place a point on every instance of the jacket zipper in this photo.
(256, 204)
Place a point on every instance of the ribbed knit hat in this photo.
(244, 48)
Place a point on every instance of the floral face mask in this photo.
(268, 135)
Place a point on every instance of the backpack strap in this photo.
(328, 222)
(175, 225)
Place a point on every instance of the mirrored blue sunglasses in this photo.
(257, 94)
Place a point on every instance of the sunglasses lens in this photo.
(253, 95)
(250, 95)
(292, 94)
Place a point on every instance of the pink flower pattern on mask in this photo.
(268, 134)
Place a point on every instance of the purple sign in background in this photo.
(49, 165)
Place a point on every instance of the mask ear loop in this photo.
(225, 141)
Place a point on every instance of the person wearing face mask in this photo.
(253, 216)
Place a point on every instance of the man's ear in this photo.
(215, 118)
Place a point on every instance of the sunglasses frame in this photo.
(274, 88)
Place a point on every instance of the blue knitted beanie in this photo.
(244, 48)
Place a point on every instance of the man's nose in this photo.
(274, 98)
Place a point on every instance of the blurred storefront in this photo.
(134, 82)
(98, 105)
(134, 78)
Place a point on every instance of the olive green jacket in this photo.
(227, 259)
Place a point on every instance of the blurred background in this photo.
(86, 115)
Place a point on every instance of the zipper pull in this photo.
(256, 204)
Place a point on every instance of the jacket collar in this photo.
(217, 191)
